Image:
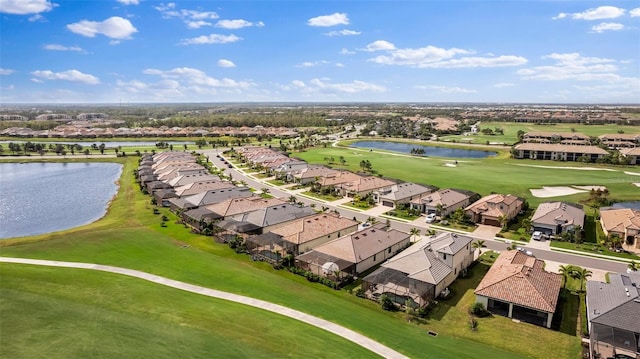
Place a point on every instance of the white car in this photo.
(536, 236)
(430, 217)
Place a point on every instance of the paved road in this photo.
(336, 329)
(560, 257)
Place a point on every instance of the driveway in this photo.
(485, 232)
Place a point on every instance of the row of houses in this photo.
(322, 243)
(74, 131)
(612, 141)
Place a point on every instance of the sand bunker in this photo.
(589, 188)
(632, 173)
(450, 165)
(556, 191)
(637, 184)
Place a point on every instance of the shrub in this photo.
(478, 310)
(474, 324)
(386, 303)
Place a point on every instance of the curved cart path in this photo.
(261, 304)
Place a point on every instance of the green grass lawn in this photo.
(131, 236)
(593, 248)
(498, 174)
(112, 316)
(324, 197)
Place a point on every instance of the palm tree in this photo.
(292, 199)
(504, 220)
(565, 271)
(478, 244)
(414, 232)
(633, 266)
(581, 274)
(372, 220)
(526, 224)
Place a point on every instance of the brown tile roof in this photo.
(617, 220)
(631, 151)
(520, 279)
(357, 247)
(338, 178)
(310, 228)
(366, 184)
(561, 148)
(489, 205)
(234, 206)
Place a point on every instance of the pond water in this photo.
(108, 144)
(428, 150)
(47, 197)
(633, 205)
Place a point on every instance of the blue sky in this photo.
(131, 51)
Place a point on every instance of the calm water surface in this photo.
(40, 198)
(428, 150)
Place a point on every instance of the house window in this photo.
(389, 251)
(455, 271)
(374, 257)
(444, 256)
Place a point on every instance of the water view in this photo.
(428, 150)
(47, 197)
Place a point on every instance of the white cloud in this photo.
(194, 19)
(503, 84)
(114, 27)
(446, 89)
(350, 87)
(607, 26)
(36, 17)
(196, 24)
(226, 63)
(25, 7)
(635, 12)
(197, 80)
(56, 47)
(313, 63)
(237, 24)
(344, 51)
(601, 12)
(344, 32)
(33, 79)
(329, 20)
(575, 67)
(436, 57)
(338, 64)
(380, 45)
(211, 39)
(129, 2)
(70, 75)
(6, 71)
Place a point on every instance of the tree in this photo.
(101, 148)
(526, 225)
(565, 271)
(292, 199)
(342, 160)
(581, 274)
(633, 266)
(372, 220)
(478, 244)
(504, 220)
(414, 232)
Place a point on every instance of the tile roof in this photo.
(553, 213)
(619, 220)
(490, 205)
(338, 178)
(365, 184)
(201, 186)
(446, 197)
(635, 151)
(218, 195)
(520, 279)
(313, 227)
(277, 214)
(406, 190)
(421, 261)
(363, 244)
(235, 206)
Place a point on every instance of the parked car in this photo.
(430, 217)
(537, 235)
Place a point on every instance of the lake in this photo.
(428, 150)
(47, 197)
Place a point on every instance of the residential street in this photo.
(591, 263)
